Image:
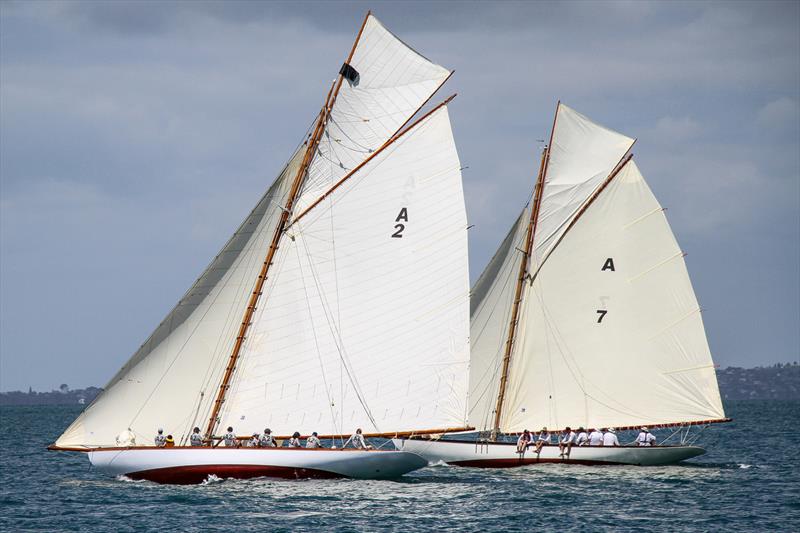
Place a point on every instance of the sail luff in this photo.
(523, 268)
(330, 100)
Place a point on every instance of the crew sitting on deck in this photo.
(254, 441)
(610, 438)
(358, 441)
(266, 440)
(294, 442)
(161, 440)
(196, 439)
(566, 441)
(645, 438)
(170, 442)
(595, 438)
(582, 438)
(230, 439)
(523, 441)
(313, 441)
(542, 439)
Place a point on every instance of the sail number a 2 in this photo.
(399, 227)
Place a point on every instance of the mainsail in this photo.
(609, 331)
(172, 380)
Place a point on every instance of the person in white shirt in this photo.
(610, 438)
(566, 441)
(266, 440)
(313, 441)
(294, 442)
(645, 438)
(358, 441)
(161, 439)
(196, 439)
(595, 438)
(230, 439)
(582, 437)
(523, 441)
(542, 439)
(254, 441)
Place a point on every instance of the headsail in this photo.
(171, 379)
(366, 322)
(611, 333)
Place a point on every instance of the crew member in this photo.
(266, 440)
(254, 441)
(160, 439)
(294, 442)
(610, 438)
(170, 442)
(523, 441)
(196, 439)
(313, 441)
(230, 439)
(582, 438)
(542, 439)
(565, 442)
(595, 438)
(645, 438)
(358, 441)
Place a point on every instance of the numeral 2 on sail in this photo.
(403, 215)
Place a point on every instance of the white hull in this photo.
(504, 455)
(183, 465)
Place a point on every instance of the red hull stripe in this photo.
(190, 475)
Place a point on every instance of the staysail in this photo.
(619, 343)
(172, 380)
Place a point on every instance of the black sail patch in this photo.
(350, 74)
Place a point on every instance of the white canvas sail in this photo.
(611, 333)
(490, 312)
(582, 155)
(388, 83)
(364, 321)
(171, 380)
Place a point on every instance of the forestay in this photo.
(170, 381)
(365, 317)
(611, 333)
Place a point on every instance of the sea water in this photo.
(749, 481)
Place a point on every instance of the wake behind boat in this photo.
(585, 316)
(341, 301)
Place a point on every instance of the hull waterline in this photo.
(504, 455)
(194, 465)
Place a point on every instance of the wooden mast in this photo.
(523, 269)
(330, 100)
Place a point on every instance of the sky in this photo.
(135, 136)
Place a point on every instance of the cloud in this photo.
(135, 139)
(780, 114)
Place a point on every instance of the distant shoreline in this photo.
(776, 382)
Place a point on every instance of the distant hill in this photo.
(63, 396)
(777, 382)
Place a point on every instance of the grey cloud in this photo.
(135, 136)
